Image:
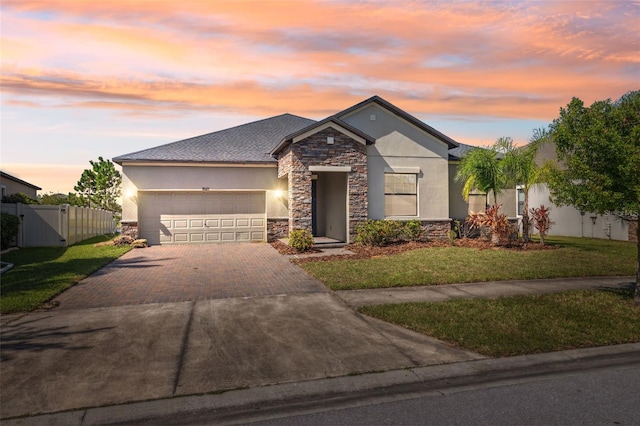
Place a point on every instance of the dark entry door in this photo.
(314, 211)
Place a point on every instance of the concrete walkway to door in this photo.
(181, 273)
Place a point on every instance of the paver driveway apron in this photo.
(178, 273)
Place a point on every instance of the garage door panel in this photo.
(228, 236)
(212, 223)
(180, 224)
(227, 223)
(196, 237)
(213, 237)
(196, 223)
(202, 217)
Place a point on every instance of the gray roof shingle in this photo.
(457, 152)
(251, 142)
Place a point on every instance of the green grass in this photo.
(41, 273)
(524, 324)
(576, 257)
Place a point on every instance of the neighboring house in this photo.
(10, 185)
(569, 221)
(258, 181)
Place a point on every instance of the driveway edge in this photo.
(420, 380)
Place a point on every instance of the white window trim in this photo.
(518, 187)
(405, 171)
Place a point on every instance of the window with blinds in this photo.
(400, 194)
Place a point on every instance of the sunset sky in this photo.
(82, 79)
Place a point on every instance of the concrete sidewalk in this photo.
(233, 406)
(491, 289)
(70, 359)
(65, 360)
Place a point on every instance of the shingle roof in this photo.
(15, 179)
(251, 142)
(458, 152)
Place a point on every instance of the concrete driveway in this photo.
(181, 273)
(83, 357)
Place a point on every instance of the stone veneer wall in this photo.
(436, 229)
(130, 229)
(295, 160)
(277, 228)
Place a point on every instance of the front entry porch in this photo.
(329, 200)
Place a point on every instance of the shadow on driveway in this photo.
(182, 273)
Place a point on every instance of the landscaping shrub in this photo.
(541, 220)
(384, 232)
(123, 240)
(465, 229)
(19, 197)
(10, 225)
(139, 243)
(301, 239)
(501, 229)
(413, 230)
(378, 232)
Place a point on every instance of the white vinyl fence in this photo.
(63, 225)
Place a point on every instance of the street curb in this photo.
(415, 380)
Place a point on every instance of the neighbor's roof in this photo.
(15, 179)
(251, 142)
(460, 150)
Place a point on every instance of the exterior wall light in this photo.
(130, 194)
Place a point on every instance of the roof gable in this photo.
(332, 122)
(400, 113)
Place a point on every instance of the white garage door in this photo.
(202, 217)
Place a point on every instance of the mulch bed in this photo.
(368, 252)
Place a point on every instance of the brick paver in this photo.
(161, 274)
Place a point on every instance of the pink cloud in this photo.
(518, 60)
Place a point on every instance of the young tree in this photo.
(599, 149)
(100, 185)
(481, 169)
(520, 168)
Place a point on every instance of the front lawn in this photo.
(574, 257)
(41, 273)
(525, 324)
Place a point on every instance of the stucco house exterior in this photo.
(258, 181)
(10, 185)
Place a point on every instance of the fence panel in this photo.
(43, 225)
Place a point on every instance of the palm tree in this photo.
(481, 169)
(520, 168)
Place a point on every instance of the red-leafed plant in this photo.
(497, 222)
(541, 220)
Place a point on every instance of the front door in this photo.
(314, 207)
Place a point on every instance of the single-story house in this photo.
(10, 185)
(258, 181)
